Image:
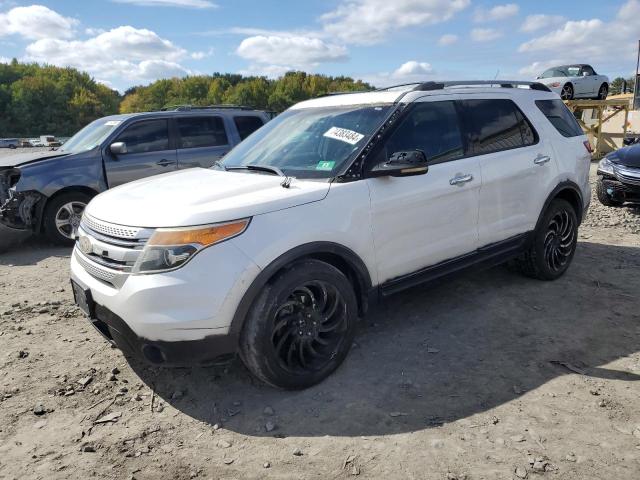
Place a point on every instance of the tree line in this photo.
(43, 99)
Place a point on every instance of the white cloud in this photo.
(447, 39)
(123, 53)
(36, 21)
(5, 60)
(606, 42)
(536, 68)
(290, 51)
(499, 12)
(537, 22)
(484, 34)
(200, 54)
(171, 3)
(366, 22)
(271, 71)
(412, 68)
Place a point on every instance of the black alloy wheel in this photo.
(559, 240)
(309, 327)
(301, 325)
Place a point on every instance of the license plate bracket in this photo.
(83, 299)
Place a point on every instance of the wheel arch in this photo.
(568, 191)
(339, 256)
(70, 189)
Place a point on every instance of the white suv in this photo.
(277, 250)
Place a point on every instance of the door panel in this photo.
(423, 220)
(149, 153)
(513, 187)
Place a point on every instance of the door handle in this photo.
(461, 179)
(164, 163)
(541, 159)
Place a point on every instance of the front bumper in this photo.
(209, 350)
(619, 191)
(180, 317)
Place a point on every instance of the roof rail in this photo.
(348, 92)
(428, 86)
(186, 108)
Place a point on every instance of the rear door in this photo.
(149, 152)
(516, 166)
(202, 140)
(422, 220)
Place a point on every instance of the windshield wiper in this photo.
(259, 168)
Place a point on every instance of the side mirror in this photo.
(585, 74)
(402, 164)
(118, 148)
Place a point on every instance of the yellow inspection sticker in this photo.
(344, 135)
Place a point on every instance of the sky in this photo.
(122, 43)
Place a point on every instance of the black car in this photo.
(619, 177)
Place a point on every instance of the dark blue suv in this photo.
(47, 191)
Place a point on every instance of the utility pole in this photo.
(636, 88)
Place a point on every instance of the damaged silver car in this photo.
(47, 192)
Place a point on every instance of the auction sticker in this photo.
(344, 135)
(113, 123)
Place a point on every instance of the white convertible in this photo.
(576, 81)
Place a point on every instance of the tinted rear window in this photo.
(560, 117)
(493, 125)
(201, 132)
(247, 125)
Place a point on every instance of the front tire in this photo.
(567, 92)
(604, 198)
(62, 217)
(553, 245)
(301, 326)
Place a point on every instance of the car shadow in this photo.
(439, 353)
(19, 248)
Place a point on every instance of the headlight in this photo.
(605, 167)
(171, 248)
(554, 84)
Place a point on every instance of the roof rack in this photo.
(428, 86)
(348, 92)
(186, 108)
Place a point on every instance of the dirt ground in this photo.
(486, 376)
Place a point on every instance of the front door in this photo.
(149, 153)
(423, 220)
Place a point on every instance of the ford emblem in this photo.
(85, 245)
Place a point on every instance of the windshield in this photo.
(561, 72)
(90, 136)
(310, 142)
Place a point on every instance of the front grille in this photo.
(629, 175)
(109, 251)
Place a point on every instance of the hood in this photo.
(548, 81)
(626, 156)
(24, 158)
(199, 196)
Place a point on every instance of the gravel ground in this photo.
(486, 376)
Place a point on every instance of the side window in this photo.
(196, 132)
(146, 136)
(588, 69)
(247, 125)
(431, 127)
(495, 125)
(560, 117)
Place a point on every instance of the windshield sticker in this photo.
(113, 123)
(326, 165)
(344, 135)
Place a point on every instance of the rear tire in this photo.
(62, 217)
(554, 243)
(603, 92)
(301, 326)
(604, 197)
